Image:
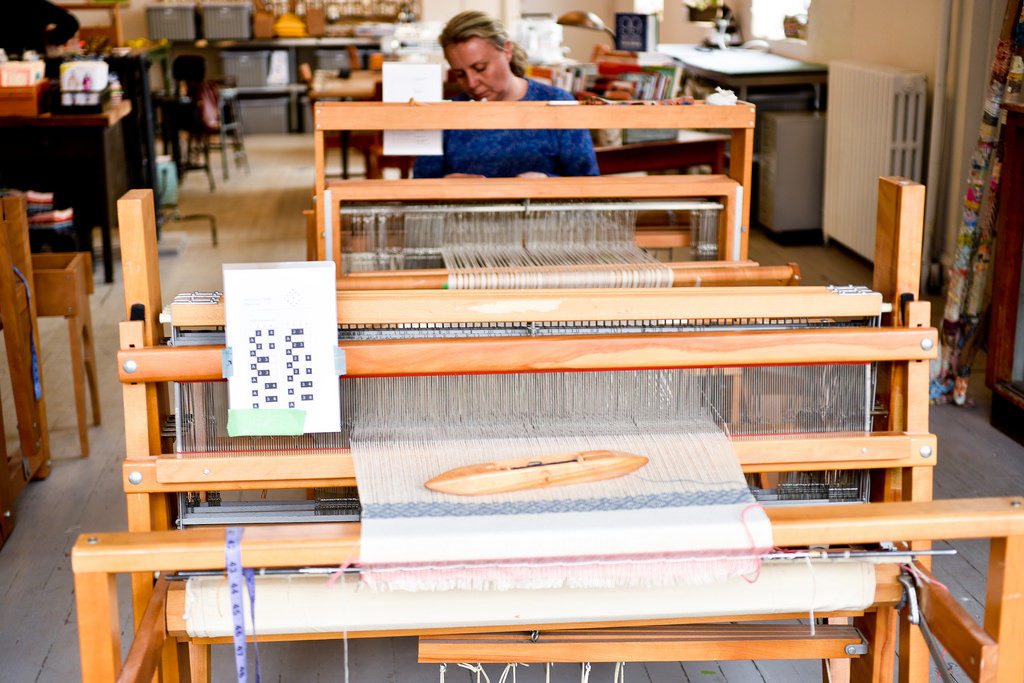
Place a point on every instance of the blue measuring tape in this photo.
(37, 384)
(233, 565)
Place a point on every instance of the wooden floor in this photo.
(259, 220)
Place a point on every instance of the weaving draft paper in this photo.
(306, 604)
(682, 517)
(281, 323)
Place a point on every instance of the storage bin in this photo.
(248, 68)
(632, 136)
(171, 22)
(334, 60)
(265, 115)
(306, 107)
(226, 21)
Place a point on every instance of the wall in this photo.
(896, 32)
(676, 26)
(580, 41)
(906, 34)
(902, 33)
(134, 15)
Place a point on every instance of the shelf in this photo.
(288, 89)
(358, 41)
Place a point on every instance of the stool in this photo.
(196, 155)
(230, 140)
(63, 283)
(167, 190)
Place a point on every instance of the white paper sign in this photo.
(281, 324)
(420, 82)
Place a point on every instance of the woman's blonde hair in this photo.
(476, 24)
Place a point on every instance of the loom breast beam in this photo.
(732, 189)
(97, 558)
(529, 473)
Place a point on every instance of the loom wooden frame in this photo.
(731, 189)
(901, 454)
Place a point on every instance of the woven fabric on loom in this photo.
(686, 516)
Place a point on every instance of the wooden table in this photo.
(80, 158)
(361, 84)
(742, 69)
(690, 148)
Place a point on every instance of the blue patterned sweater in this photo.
(507, 153)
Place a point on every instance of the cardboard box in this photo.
(26, 100)
(21, 73)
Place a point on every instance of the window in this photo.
(766, 16)
(649, 7)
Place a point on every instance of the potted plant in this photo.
(703, 10)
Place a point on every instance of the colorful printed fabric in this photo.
(962, 331)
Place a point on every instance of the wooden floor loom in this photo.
(731, 190)
(897, 450)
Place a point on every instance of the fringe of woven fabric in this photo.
(603, 572)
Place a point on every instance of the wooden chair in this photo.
(21, 337)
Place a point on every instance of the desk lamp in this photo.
(587, 20)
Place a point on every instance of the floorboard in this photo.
(259, 220)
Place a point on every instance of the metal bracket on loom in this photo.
(848, 290)
(857, 290)
(906, 298)
(916, 616)
(227, 365)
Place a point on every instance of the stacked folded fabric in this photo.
(50, 229)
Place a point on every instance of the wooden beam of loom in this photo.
(331, 544)
(584, 352)
(576, 188)
(304, 469)
(683, 275)
(97, 557)
(525, 116)
(568, 305)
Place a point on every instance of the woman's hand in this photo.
(532, 174)
(463, 175)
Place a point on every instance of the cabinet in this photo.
(1005, 371)
(792, 164)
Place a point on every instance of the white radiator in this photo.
(876, 127)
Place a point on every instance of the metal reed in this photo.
(534, 245)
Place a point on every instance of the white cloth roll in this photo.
(304, 604)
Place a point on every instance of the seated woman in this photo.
(490, 67)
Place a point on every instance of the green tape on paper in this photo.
(266, 422)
